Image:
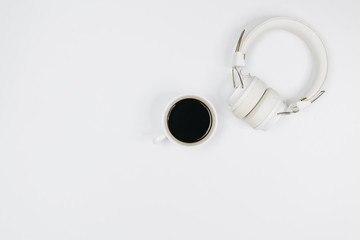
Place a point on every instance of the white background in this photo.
(82, 88)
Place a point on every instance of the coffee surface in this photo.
(189, 120)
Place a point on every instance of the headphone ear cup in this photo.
(264, 115)
(242, 101)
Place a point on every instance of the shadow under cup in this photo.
(190, 120)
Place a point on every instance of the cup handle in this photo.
(159, 138)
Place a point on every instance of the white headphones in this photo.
(259, 106)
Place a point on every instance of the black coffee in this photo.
(189, 120)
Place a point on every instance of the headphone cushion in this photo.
(264, 114)
(249, 98)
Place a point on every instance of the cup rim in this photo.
(203, 100)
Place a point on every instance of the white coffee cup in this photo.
(166, 131)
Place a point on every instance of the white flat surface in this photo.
(82, 88)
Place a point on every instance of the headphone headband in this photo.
(303, 31)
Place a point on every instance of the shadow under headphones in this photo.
(259, 106)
